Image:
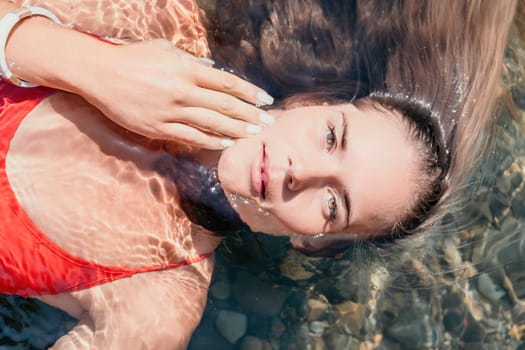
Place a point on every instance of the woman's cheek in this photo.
(262, 221)
(303, 222)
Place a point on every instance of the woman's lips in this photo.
(260, 173)
(265, 172)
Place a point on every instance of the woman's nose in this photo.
(294, 181)
(302, 174)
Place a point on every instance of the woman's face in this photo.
(322, 169)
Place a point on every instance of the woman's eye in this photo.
(332, 207)
(331, 139)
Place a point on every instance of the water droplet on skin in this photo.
(263, 212)
(236, 198)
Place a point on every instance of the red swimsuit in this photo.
(32, 264)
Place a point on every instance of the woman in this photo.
(152, 222)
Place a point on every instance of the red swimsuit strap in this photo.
(32, 264)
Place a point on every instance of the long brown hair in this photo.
(451, 59)
(446, 55)
(289, 46)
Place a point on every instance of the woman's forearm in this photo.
(48, 54)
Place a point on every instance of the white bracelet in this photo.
(7, 23)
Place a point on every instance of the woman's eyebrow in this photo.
(346, 197)
(344, 131)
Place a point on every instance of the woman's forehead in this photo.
(380, 168)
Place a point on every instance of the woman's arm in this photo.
(149, 88)
(154, 310)
(78, 338)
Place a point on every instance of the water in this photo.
(467, 290)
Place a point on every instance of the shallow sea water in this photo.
(466, 292)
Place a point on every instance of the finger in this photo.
(228, 106)
(194, 137)
(166, 45)
(208, 62)
(208, 120)
(218, 80)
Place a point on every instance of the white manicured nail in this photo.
(266, 118)
(264, 98)
(253, 129)
(227, 143)
(207, 61)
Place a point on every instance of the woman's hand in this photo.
(161, 92)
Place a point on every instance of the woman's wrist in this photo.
(7, 23)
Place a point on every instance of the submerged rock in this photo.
(252, 343)
(253, 294)
(350, 316)
(416, 331)
(220, 290)
(231, 325)
(489, 289)
(317, 309)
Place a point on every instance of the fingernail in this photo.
(266, 118)
(227, 143)
(253, 129)
(264, 98)
(207, 61)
